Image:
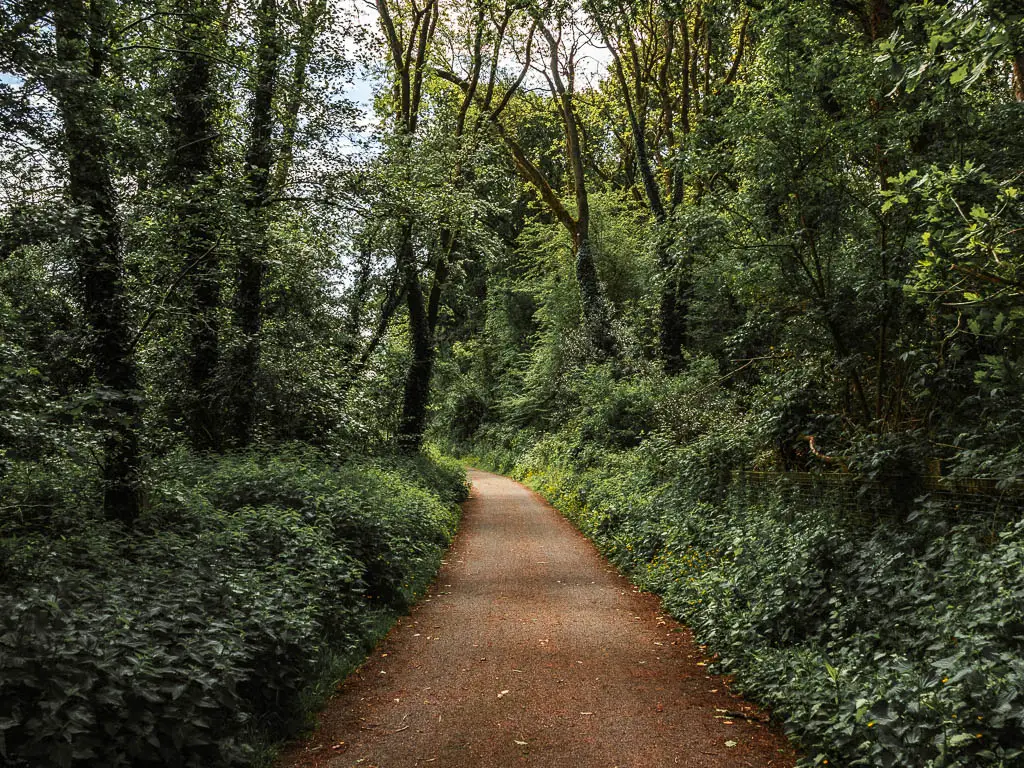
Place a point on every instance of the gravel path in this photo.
(531, 650)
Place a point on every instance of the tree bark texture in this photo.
(259, 159)
(193, 138)
(81, 31)
(421, 366)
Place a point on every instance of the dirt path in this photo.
(531, 650)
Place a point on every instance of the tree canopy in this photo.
(788, 232)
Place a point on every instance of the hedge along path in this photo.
(532, 650)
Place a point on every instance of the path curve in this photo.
(532, 650)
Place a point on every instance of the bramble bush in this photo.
(251, 583)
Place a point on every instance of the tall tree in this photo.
(310, 22)
(83, 29)
(408, 37)
(251, 268)
(193, 138)
(559, 69)
(657, 51)
(561, 74)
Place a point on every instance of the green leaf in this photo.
(959, 739)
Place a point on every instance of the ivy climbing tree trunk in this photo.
(259, 160)
(191, 164)
(82, 29)
(408, 47)
(416, 395)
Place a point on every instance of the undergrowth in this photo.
(896, 645)
(251, 584)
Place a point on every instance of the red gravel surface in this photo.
(532, 650)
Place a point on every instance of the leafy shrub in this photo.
(890, 647)
(181, 643)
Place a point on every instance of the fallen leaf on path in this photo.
(520, 743)
(502, 693)
(586, 713)
(730, 743)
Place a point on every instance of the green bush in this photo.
(898, 646)
(192, 639)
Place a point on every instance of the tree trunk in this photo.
(81, 30)
(879, 17)
(421, 367)
(673, 308)
(259, 159)
(441, 268)
(1018, 76)
(193, 137)
(387, 310)
(596, 315)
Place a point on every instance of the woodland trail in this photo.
(532, 650)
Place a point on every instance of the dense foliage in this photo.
(621, 247)
(875, 645)
(806, 219)
(204, 520)
(209, 630)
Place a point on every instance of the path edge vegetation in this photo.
(870, 647)
(216, 626)
(777, 235)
